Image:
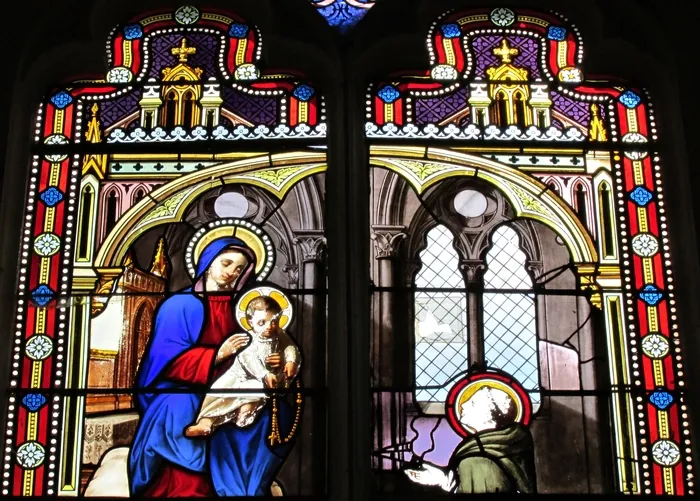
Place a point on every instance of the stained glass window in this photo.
(343, 14)
(173, 331)
(170, 324)
(515, 199)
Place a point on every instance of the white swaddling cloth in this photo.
(248, 372)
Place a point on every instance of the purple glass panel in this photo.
(255, 109)
(484, 57)
(577, 111)
(435, 110)
(113, 111)
(205, 57)
(401, 433)
(432, 439)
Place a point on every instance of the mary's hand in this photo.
(232, 346)
(428, 474)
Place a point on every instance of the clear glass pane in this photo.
(441, 319)
(510, 328)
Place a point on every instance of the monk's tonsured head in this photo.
(488, 409)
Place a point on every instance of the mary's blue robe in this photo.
(239, 460)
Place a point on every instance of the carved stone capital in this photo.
(473, 270)
(536, 268)
(312, 245)
(387, 240)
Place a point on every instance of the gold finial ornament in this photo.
(159, 267)
(95, 164)
(93, 134)
(597, 129)
(505, 52)
(183, 52)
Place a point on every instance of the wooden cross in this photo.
(505, 52)
(183, 51)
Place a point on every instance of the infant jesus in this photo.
(249, 371)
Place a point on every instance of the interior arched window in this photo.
(86, 220)
(112, 206)
(520, 109)
(581, 202)
(554, 187)
(189, 105)
(607, 220)
(170, 110)
(500, 107)
(510, 329)
(139, 193)
(441, 332)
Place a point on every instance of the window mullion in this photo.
(349, 400)
(473, 271)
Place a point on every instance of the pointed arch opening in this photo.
(112, 203)
(87, 202)
(520, 109)
(189, 105)
(509, 316)
(581, 201)
(554, 186)
(170, 110)
(139, 194)
(441, 334)
(500, 109)
(607, 221)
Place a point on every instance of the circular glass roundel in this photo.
(231, 205)
(470, 203)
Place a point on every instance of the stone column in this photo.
(309, 278)
(594, 376)
(390, 309)
(392, 343)
(311, 304)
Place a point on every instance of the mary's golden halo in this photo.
(249, 233)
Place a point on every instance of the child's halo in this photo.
(284, 318)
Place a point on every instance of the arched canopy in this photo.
(274, 173)
(423, 167)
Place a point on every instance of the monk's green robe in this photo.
(496, 461)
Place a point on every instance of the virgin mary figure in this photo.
(195, 336)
